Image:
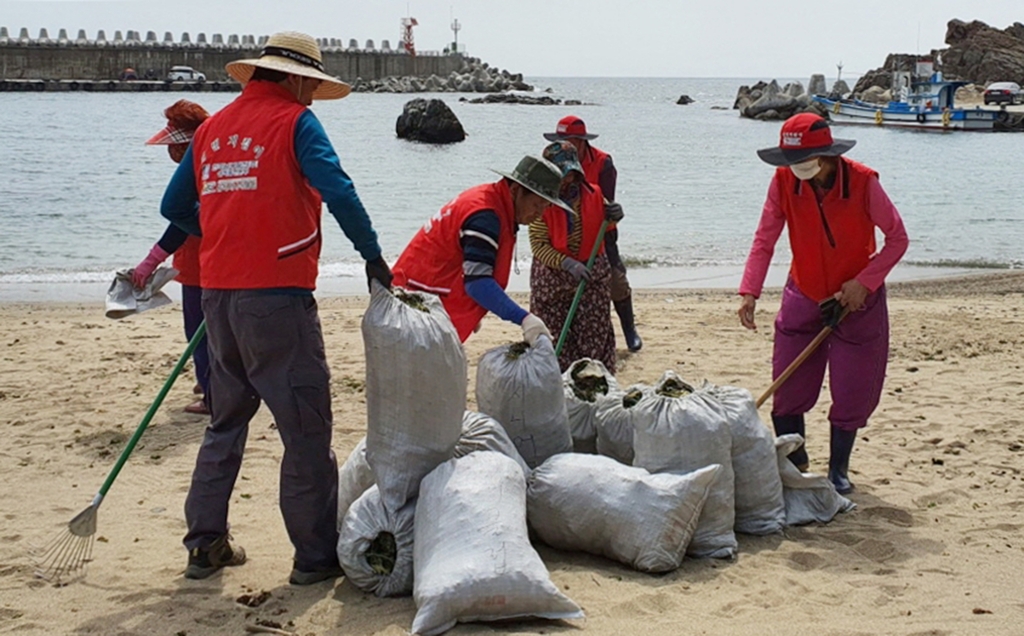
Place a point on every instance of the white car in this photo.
(185, 74)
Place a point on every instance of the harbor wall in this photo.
(44, 59)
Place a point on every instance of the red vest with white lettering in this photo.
(591, 210)
(819, 269)
(432, 261)
(186, 261)
(592, 161)
(259, 216)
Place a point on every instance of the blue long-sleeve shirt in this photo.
(321, 167)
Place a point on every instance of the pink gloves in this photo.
(144, 270)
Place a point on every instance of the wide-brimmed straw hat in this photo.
(570, 126)
(540, 177)
(295, 53)
(183, 118)
(804, 136)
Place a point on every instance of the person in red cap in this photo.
(831, 207)
(183, 118)
(599, 169)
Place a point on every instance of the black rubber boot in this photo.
(625, 310)
(840, 447)
(786, 425)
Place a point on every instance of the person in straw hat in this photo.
(260, 169)
(464, 252)
(831, 206)
(183, 118)
(600, 170)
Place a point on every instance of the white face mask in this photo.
(806, 170)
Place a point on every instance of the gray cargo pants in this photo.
(268, 347)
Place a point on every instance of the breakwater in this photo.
(101, 60)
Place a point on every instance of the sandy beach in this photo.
(934, 546)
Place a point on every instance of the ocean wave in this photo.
(970, 263)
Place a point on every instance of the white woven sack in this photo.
(808, 497)
(483, 433)
(472, 558)
(760, 508)
(364, 524)
(616, 420)
(595, 504)
(586, 381)
(354, 478)
(524, 393)
(415, 391)
(684, 434)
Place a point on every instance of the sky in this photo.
(567, 38)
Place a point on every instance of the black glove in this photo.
(831, 312)
(613, 212)
(378, 270)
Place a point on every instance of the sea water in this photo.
(80, 192)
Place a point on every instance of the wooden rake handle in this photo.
(800, 359)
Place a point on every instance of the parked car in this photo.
(1003, 93)
(185, 74)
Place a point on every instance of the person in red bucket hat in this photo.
(831, 207)
(183, 118)
(599, 168)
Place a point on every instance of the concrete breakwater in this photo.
(103, 60)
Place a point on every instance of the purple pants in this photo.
(856, 354)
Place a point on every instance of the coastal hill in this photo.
(977, 53)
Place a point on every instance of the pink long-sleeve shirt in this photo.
(773, 220)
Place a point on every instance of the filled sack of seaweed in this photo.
(415, 390)
(616, 419)
(681, 431)
(595, 504)
(375, 547)
(521, 387)
(354, 478)
(760, 508)
(482, 432)
(585, 381)
(472, 557)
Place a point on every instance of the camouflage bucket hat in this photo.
(540, 177)
(563, 154)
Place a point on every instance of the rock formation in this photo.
(473, 77)
(981, 54)
(684, 100)
(768, 102)
(430, 122)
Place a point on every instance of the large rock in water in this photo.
(430, 122)
(981, 54)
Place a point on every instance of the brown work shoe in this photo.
(202, 563)
(197, 408)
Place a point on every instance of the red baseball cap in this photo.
(568, 127)
(804, 136)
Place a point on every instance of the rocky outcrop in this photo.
(513, 98)
(882, 77)
(473, 77)
(982, 54)
(768, 102)
(430, 122)
(684, 100)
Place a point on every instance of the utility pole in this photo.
(839, 75)
(456, 27)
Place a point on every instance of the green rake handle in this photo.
(579, 289)
(200, 332)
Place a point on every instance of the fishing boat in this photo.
(922, 100)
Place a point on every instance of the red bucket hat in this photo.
(803, 137)
(183, 118)
(568, 127)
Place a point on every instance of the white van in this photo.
(185, 74)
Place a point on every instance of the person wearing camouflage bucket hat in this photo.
(464, 253)
(561, 244)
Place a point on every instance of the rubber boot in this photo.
(625, 310)
(840, 447)
(786, 425)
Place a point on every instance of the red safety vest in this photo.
(593, 161)
(186, 261)
(819, 269)
(259, 216)
(432, 261)
(591, 209)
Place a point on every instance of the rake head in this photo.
(69, 552)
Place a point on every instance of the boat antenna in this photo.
(839, 75)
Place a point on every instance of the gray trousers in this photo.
(268, 347)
